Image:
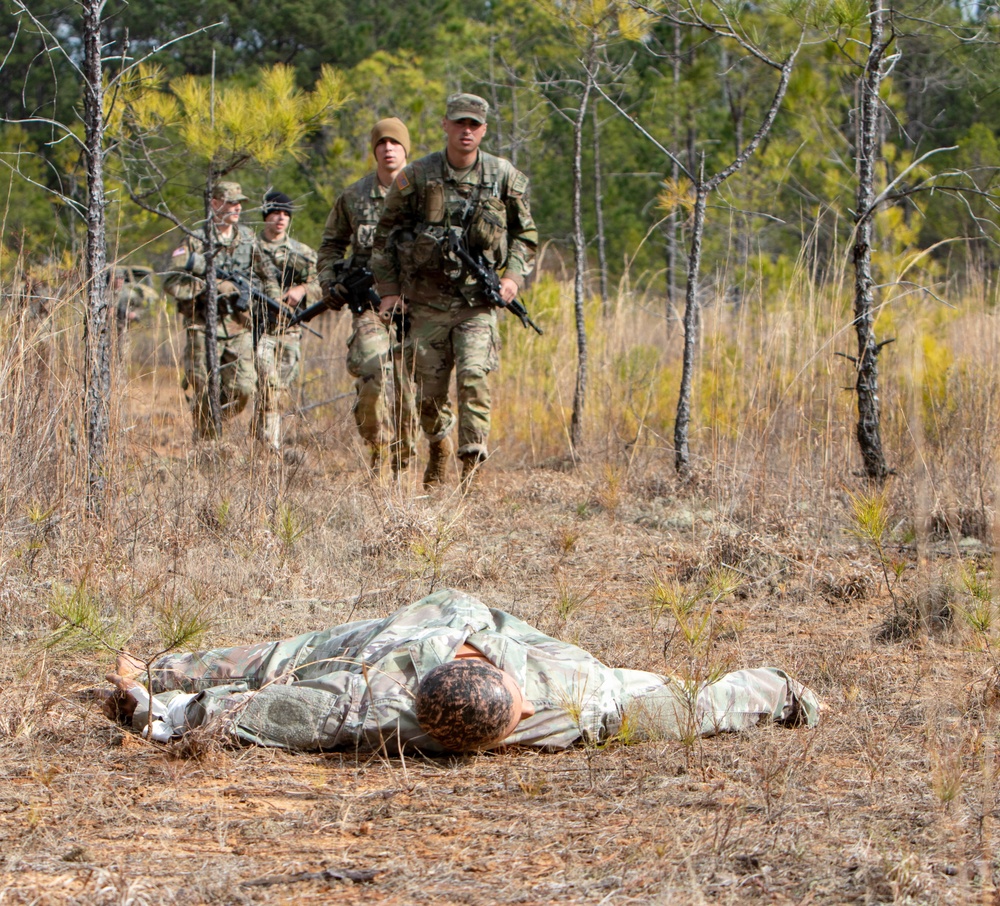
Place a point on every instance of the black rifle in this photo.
(355, 289)
(253, 299)
(489, 282)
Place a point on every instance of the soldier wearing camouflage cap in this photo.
(447, 673)
(464, 194)
(279, 347)
(234, 251)
(384, 409)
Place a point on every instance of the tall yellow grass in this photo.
(773, 396)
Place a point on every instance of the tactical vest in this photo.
(293, 261)
(478, 214)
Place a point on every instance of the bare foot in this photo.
(128, 665)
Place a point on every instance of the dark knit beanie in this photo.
(276, 201)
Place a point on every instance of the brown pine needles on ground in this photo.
(756, 560)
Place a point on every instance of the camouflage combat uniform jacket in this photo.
(353, 685)
(351, 224)
(237, 254)
(287, 263)
(427, 201)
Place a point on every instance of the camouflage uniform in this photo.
(354, 685)
(237, 374)
(451, 326)
(374, 359)
(279, 350)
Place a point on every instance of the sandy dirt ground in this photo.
(892, 799)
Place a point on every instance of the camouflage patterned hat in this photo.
(228, 191)
(467, 106)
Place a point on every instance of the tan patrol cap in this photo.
(467, 106)
(228, 191)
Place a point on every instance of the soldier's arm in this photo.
(310, 276)
(187, 264)
(522, 235)
(336, 239)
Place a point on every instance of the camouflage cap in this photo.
(228, 191)
(467, 106)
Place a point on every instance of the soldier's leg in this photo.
(431, 360)
(743, 698)
(237, 372)
(196, 376)
(476, 344)
(369, 361)
(278, 359)
(404, 407)
(267, 391)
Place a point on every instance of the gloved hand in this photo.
(331, 298)
(227, 288)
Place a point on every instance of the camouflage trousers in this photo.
(384, 410)
(237, 374)
(464, 340)
(278, 359)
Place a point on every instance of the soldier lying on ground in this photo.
(447, 673)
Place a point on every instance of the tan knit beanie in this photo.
(393, 128)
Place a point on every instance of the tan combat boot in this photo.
(400, 458)
(378, 458)
(470, 469)
(437, 466)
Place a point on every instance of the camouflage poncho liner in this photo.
(353, 686)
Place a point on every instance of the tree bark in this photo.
(602, 252)
(692, 330)
(673, 221)
(97, 324)
(212, 313)
(580, 262)
(869, 432)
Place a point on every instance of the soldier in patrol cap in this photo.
(235, 251)
(384, 409)
(465, 194)
(279, 348)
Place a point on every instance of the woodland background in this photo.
(696, 95)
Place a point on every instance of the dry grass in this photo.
(893, 799)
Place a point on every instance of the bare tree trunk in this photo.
(212, 314)
(580, 262)
(869, 418)
(602, 256)
(692, 329)
(673, 221)
(97, 325)
(692, 319)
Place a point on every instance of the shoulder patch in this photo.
(402, 182)
(518, 183)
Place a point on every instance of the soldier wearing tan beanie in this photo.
(384, 410)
